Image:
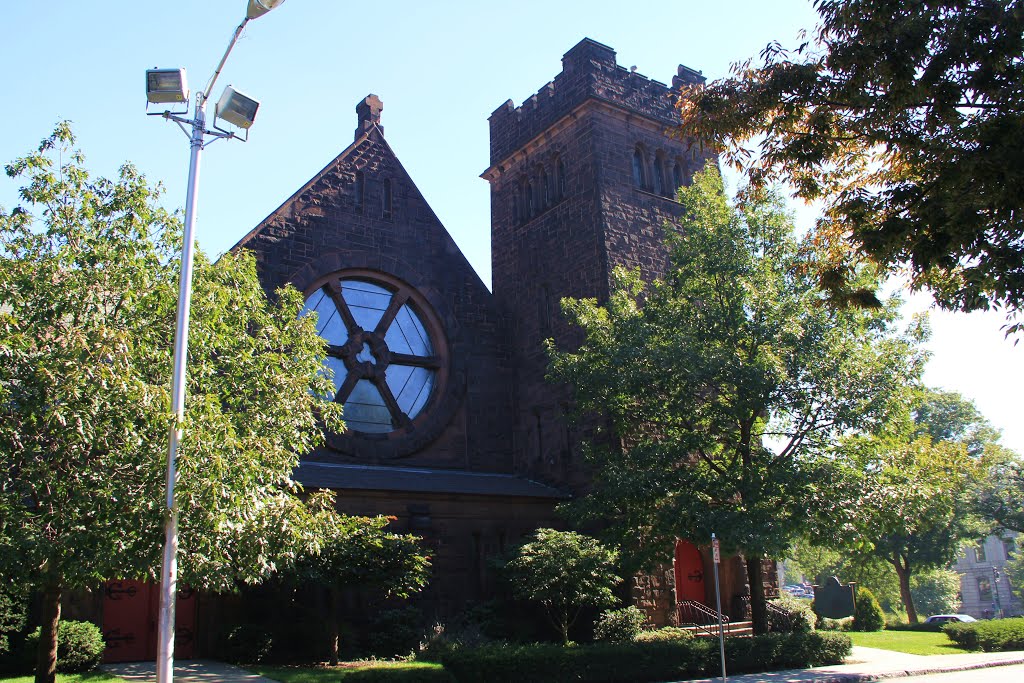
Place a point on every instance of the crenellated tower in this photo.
(583, 175)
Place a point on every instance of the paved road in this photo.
(997, 674)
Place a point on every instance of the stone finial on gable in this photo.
(368, 113)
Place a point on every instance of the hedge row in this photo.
(368, 672)
(999, 635)
(639, 662)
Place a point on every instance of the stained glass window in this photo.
(379, 353)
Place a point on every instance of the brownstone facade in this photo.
(454, 429)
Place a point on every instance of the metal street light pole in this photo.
(197, 139)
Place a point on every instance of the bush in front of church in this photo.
(79, 646)
(790, 615)
(673, 659)
(868, 615)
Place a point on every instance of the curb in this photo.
(808, 675)
(881, 676)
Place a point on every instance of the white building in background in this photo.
(985, 589)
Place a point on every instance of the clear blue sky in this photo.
(440, 68)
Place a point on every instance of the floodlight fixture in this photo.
(236, 108)
(257, 8)
(166, 85)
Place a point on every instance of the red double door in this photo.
(689, 571)
(130, 617)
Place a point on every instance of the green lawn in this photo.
(397, 672)
(91, 677)
(911, 642)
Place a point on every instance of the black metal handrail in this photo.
(701, 616)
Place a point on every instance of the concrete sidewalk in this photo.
(187, 671)
(865, 664)
(870, 664)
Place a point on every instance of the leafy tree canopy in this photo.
(948, 416)
(732, 351)
(907, 502)
(359, 553)
(1001, 493)
(564, 572)
(906, 118)
(88, 288)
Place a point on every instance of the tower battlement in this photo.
(589, 71)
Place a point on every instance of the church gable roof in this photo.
(363, 202)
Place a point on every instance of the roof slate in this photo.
(381, 478)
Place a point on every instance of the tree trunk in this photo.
(332, 622)
(758, 609)
(908, 600)
(46, 656)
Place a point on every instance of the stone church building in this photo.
(452, 427)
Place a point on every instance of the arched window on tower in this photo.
(639, 172)
(677, 174)
(531, 200)
(359, 192)
(524, 201)
(545, 188)
(560, 180)
(386, 200)
(660, 186)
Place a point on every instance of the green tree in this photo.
(936, 591)
(360, 553)
(731, 351)
(909, 503)
(564, 572)
(948, 416)
(1000, 497)
(88, 285)
(1015, 572)
(864, 569)
(905, 118)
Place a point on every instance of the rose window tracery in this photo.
(380, 349)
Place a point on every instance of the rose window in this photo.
(378, 347)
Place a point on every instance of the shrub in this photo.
(619, 625)
(395, 632)
(785, 651)
(245, 644)
(826, 624)
(990, 636)
(670, 659)
(365, 672)
(792, 616)
(869, 615)
(665, 633)
(12, 613)
(563, 571)
(80, 646)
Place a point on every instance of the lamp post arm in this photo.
(205, 94)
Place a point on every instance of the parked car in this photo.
(949, 618)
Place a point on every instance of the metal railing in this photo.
(701, 616)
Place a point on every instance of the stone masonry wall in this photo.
(325, 228)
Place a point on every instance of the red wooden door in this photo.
(689, 571)
(130, 615)
(126, 621)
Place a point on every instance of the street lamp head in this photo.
(166, 85)
(237, 108)
(257, 8)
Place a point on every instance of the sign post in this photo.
(718, 602)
